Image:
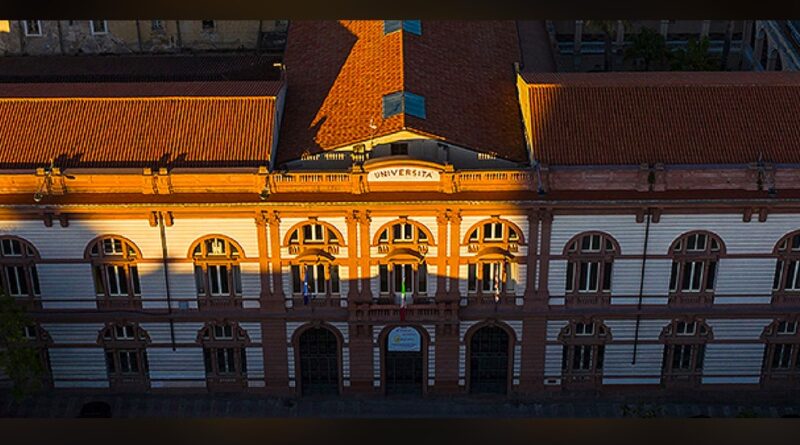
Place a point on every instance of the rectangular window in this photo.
(17, 285)
(422, 279)
(673, 277)
(584, 329)
(570, 276)
(472, 278)
(123, 332)
(607, 269)
(712, 274)
(398, 149)
(33, 28)
(218, 280)
(590, 243)
(776, 281)
(511, 276)
(692, 276)
(588, 276)
(225, 363)
(128, 362)
(404, 102)
(312, 233)
(414, 105)
(117, 281)
(782, 356)
(208, 25)
(157, 25)
(112, 246)
(98, 26)
(683, 328)
(392, 104)
(297, 283)
(682, 357)
(110, 364)
(137, 288)
(383, 271)
(493, 231)
(413, 27)
(696, 242)
(793, 276)
(390, 26)
(787, 328)
(320, 279)
(334, 279)
(582, 358)
(11, 247)
(199, 280)
(491, 277)
(237, 279)
(207, 360)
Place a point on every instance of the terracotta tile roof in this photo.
(170, 125)
(338, 73)
(671, 118)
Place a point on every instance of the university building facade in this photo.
(404, 212)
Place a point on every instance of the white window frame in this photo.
(793, 276)
(28, 32)
(317, 232)
(94, 31)
(125, 332)
(586, 331)
(406, 233)
(590, 287)
(787, 328)
(493, 228)
(689, 267)
(686, 328)
(217, 270)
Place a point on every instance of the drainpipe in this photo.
(163, 232)
(641, 286)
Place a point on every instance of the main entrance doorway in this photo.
(488, 364)
(403, 359)
(319, 362)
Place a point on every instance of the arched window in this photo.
(786, 281)
(403, 272)
(114, 270)
(125, 346)
(493, 272)
(583, 352)
(313, 234)
(225, 354)
(590, 261)
(781, 363)
(217, 273)
(695, 257)
(684, 350)
(18, 276)
(315, 270)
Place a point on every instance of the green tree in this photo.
(18, 360)
(609, 30)
(695, 57)
(648, 46)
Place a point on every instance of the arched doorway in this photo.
(488, 361)
(404, 361)
(319, 362)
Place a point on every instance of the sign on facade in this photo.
(404, 339)
(403, 174)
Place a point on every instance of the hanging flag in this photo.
(306, 295)
(496, 282)
(403, 295)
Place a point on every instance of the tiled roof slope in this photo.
(338, 73)
(169, 125)
(671, 118)
(465, 71)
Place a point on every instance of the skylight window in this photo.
(403, 102)
(412, 26)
